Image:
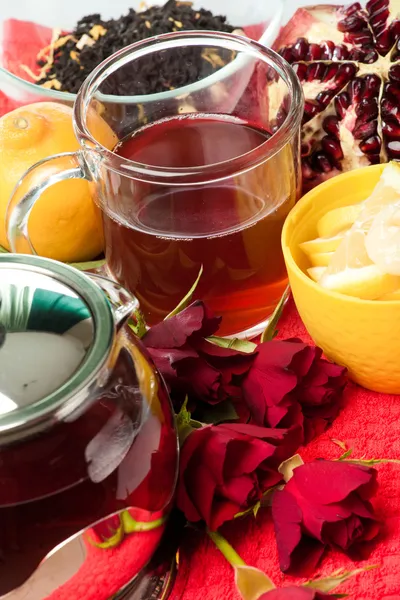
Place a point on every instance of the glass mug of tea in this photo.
(88, 448)
(200, 177)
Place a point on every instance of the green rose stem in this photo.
(250, 582)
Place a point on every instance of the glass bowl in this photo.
(260, 20)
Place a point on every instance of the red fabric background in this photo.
(370, 424)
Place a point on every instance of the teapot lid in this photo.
(56, 332)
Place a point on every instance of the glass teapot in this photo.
(88, 448)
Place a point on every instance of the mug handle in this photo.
(39, 177)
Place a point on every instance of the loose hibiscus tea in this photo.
(163, 234)
(70, 57)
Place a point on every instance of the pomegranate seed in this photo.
(356, 54)
(365, 130)
(287, 54)
(394, 73)
(391, 128)
(307, 171)
(383, 41)
(372, 85)
(331, 126)
(332, 148)
(330, 72)
(314, 52)
(362, 39)
(374, 159)
(346, 11)
(342, 102)
(321, 162)
(370, 57)
(340, 53)
(327, 49)
(391, 89)
(367, 109)
(325, 97)
(345, 73)
(356, 89)
(300, 49)
(390, 108)
(371, 145)
(301, 70)
(393, 149)
(315, 71)
(352, 23)
(311, 108)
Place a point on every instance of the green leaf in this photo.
(346, 454)
(88, 266)
(233, 343)
(188, 298)
(224, 411)
(270, 331)
(327, 584)
(138, 324)
(184, 422)
(253, 510)
(371, 462)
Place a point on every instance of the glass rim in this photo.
(185, 175)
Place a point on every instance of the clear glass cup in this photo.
(201, 178)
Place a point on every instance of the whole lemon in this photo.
(65, 224)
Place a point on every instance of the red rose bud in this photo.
(325, 503)
(225, 469)
(289, 383)
(190, 364)
(295, 593)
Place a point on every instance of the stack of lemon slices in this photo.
(357, 252)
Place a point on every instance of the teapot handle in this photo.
(123, 303)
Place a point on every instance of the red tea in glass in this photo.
(230, 227)
(200, 176)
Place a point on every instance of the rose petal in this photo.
(326, 482)
(237, 490)
(294, 593)
(200, 379)
(287, 518)
(244, 457)
(175, 331)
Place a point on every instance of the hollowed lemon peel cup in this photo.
(363, 335)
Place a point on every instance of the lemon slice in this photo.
(321, 245)
(316, 273)
(321, 259)
(352, 272)
(383, 239)
(366, 283)
(338, 220)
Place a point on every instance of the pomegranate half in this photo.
(348, 61)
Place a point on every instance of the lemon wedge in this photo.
(352, 272)
(383, 239)
(316, 273)
(338, 220)
(366, 283)
(321, 245)
(321, 259)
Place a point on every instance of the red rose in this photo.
(289, 383)
(295, 593)
(225, 469)
(326, 503)
(189, 363)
